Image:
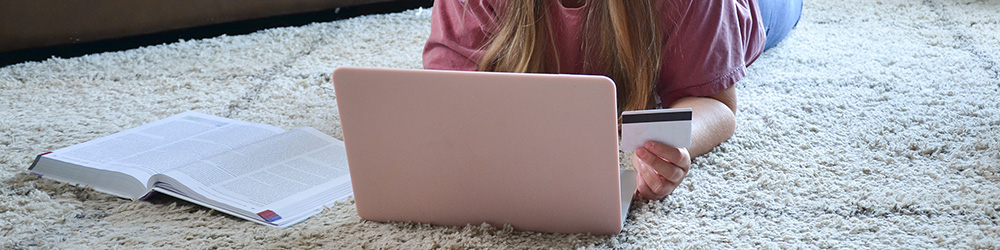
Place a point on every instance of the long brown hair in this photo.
(622, 40)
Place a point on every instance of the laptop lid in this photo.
(536, 151)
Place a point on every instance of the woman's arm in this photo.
(661, 167)
(713, 119)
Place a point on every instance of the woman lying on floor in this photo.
(661, 54)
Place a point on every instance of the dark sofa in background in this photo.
(32, 24)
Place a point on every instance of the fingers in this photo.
(653, 180)
(646, 192)
(678, 156)
(658, 165)
(651, 185)
(661, 169)
(643, 189)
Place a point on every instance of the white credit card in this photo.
(668, 126)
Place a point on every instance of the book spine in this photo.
(39, 157)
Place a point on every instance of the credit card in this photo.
(667, 126)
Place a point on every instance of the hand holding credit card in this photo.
(667, 126)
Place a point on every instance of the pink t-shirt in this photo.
(707, 43)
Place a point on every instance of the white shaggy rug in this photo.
(876, 124)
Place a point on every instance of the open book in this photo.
(253, 171)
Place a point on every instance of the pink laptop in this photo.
(536, 151)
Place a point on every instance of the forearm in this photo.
(712, 121)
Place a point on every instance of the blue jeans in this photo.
(779, 17)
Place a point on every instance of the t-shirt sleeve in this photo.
(459, 28)
(708, 46)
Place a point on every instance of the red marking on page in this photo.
(39, 157)
(269, 215)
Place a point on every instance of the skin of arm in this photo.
(661, 167)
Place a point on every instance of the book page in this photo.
(293, 174)
(165, 144)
